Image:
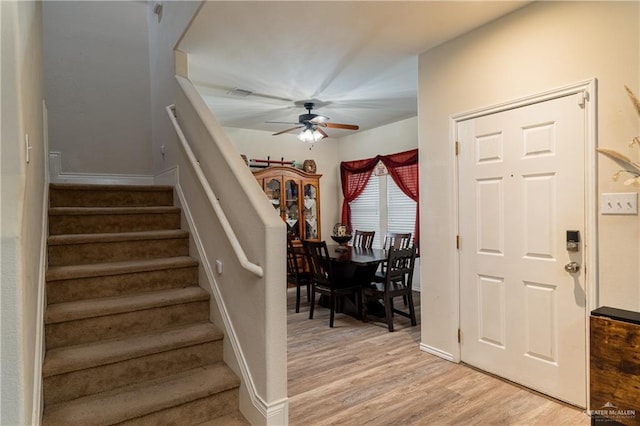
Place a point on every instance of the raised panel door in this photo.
(521, 176)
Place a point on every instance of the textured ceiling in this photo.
(356, 59)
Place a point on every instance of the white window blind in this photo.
(383, 207)
(401, 210)
(365, 210)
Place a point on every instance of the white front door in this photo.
(521, 188)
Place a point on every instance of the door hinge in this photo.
(459, 336)
(458, 242)
(457, 148)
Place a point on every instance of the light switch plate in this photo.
(619, 203)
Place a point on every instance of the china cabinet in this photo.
(295, 194)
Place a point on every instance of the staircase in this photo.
(127, 331)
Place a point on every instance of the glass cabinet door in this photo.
(291, 208)
(310, 211)
(272, 189)
(295, 195)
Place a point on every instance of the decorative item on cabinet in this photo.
(309, 166)
(295, 195)
(257, 163)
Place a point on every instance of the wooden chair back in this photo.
(293, 267)
(397, 240)
(296, 273)
(400, 265)
(364, 239)
(320, 262)
(325, 282)
(398, 280)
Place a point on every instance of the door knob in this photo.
(572, 267)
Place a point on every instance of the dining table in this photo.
(356, 265)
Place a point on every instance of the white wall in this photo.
(383, 140)
(164, 32)
(540, 47)
(22, 214)
(97, 85)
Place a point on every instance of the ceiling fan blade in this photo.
(282, 122)
(288, 130)
(322, 132)
(340, 126)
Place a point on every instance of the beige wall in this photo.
(22, 212)
(98, 85)
(540, 47)
(383, 140)
(164, 32)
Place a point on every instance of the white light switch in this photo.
(619, 203)
(219, 266)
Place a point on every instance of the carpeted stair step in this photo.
(86, 195)
(190, 397)
(114, 247)
(76, 371)
(127, 328)
(86, 220)
(96, 280)
(232, 419)
(85, 321)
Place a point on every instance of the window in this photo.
(382, 207)
(365, 210)
(401, 210)
(356, 176)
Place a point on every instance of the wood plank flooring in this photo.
(360, 374)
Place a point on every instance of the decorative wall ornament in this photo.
(628, 166)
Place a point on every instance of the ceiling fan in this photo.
(312, 125)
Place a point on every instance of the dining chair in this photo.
(395, 240)
(397, 283)
(296, 273)
(325, 282)
(364, 239)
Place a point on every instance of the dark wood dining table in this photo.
(356, 255)
(356, 265)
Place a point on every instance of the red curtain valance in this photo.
(403, 168)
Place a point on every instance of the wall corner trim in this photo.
(437, 352)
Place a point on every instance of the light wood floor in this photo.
(360, 374)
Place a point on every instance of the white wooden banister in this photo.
(217, 208)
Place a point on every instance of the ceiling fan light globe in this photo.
(310, 136)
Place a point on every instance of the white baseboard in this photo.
(437, 352)
(58, 176)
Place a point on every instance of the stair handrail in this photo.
(213, 199)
